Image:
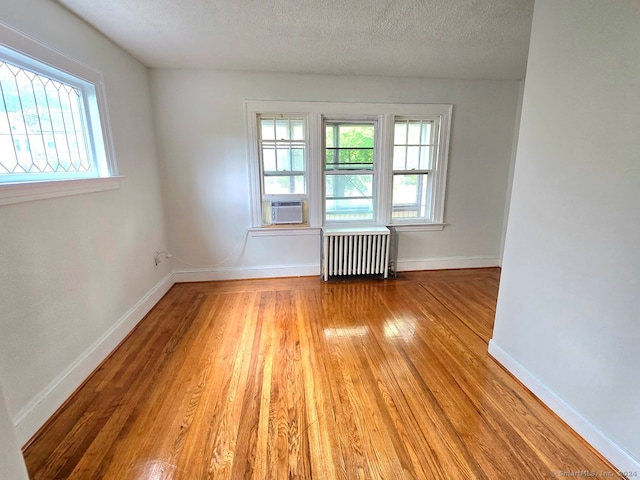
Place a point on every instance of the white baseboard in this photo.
(591, 434)
(36, 413)
(236, 273)
(447, 263)
(273, 271)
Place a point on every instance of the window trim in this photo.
(18, 47)
(27, 192)
(385, 113)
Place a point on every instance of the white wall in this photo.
(201, 128)
(75, 271)
(512, 166)
(569, 306)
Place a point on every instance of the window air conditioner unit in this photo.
(286, 212)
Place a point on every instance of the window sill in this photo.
(283, 230)
(295, 230)
(417, 227)
(28, 192)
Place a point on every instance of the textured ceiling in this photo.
(421, 38)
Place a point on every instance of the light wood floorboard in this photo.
(299, 378)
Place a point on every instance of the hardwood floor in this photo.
(297, 378)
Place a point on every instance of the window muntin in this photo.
(283, 155)
(50, 124)
(349, 171)
(414, 145)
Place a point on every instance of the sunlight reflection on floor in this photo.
(153, 470)
(346, 332)
(399, 329)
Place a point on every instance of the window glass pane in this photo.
(352, 135)
(329, 137)
(425, 158)
(409, 196)
(400, 136)
(349, 146)
(357, 158)
(284, 185)
(10, 106)
(349, 209)
(414, 133)
(43, 156)
(297, 157)
(25, 160)
(40, 93)
(399, 157)
(284, 159)
(282, 130)
(5, 129)
(343, 186)
(297, 129)
(61, 146)
(413, 158)
(60, 111)
(9, 161)
(49, 161)
(331, 159)
(426, 133)
(268, 159)
(72, 115)
(266, 129)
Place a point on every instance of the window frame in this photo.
(384, 114)
(28, 53)
(374, 172)
(432, 171)
(264, 174)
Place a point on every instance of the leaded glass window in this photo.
(50, 123)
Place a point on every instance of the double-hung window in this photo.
(283, 155)
(350, 163)
(349, 171)
(414, 143)
(52, 126)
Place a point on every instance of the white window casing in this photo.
(56, 138)
(430, 216)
